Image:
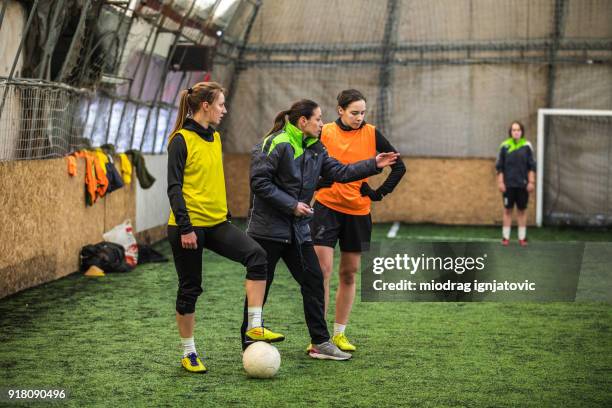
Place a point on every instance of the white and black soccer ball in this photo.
(261, 360)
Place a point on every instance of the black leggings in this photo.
(304, 265)
(226, 240)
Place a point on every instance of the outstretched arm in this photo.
(345, 173)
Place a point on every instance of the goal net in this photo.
(574, 167)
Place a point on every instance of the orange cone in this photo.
(94, 272)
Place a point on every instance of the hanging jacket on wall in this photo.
(145, 178)
(109, 149)
(105, 158)
(90, 178)
(105, 154)
(126, 168)
(102, 158)
(114, 179)
(96, 182)
(101, 179)
(72, 165)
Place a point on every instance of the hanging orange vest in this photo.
(347, 147)
(96, 182)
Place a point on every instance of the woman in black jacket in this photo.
(285, 169)
(515, 179)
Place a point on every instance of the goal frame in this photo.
(542, 113)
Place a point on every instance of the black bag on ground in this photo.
(108, 256)
(147, 254)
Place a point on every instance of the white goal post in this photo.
(542, 113)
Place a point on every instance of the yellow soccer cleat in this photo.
(343, 343)
(192, 363)
(309, 348)
(263, 334)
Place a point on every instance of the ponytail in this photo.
(191, 101)
(181, 115)
(279, 122)
(303, 107)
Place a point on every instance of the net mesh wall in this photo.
(443, 78)
(41, 121)
(577, 171)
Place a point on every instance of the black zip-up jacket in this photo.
(285, 169)
(515, 160)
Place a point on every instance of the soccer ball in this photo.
(261, 360)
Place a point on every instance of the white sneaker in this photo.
(328, 351)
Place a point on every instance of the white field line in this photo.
(393, 230)
(447, 238)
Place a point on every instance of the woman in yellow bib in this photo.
(199, 217)
(342, 211)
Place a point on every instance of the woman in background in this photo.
(515, 179)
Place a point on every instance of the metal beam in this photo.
(154, 22)
(178, 87)
(182, 80)
(149, 58)
(114, 68)
(52, 37)
(424, 61)
(173, 15)
(474, 46)
(62, 75)
(544, 127)
(117, 64)
(129, 91)
(166, 67)
(553, 50)
(386, 68)
(238, 64)
(158, 28)
(24, 35)
(4, 6)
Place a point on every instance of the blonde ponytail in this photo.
(191, 101)
(180, 116)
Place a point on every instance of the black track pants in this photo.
(303, 264)
(226, 240)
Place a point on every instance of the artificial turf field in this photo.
(113, 342)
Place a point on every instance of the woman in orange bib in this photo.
(342, 211)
